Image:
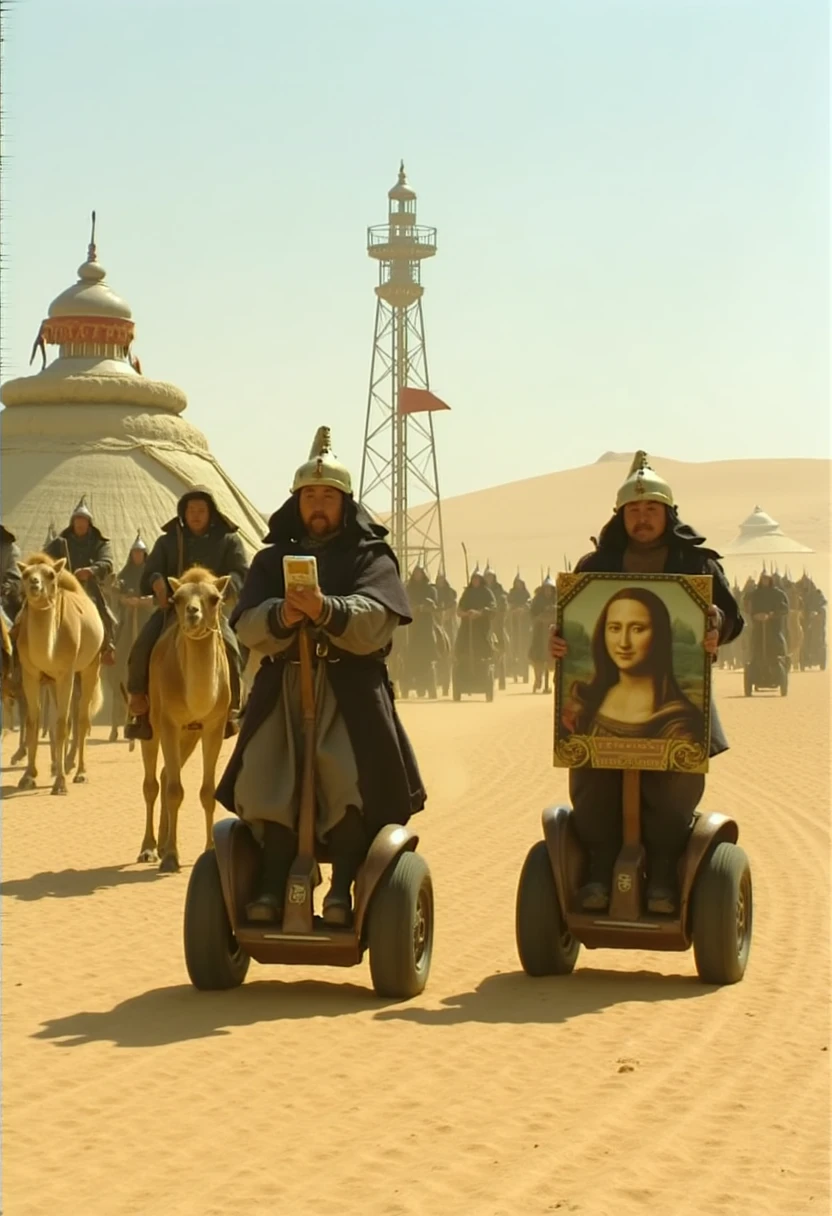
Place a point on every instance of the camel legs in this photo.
(177, 747)
(87, 684)
(22, 714)
(63, 697)
(211, 744)
(150, 790)
(31, 695)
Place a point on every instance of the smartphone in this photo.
(300, 571)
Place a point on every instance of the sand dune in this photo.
(628, 1088)
(534, 523)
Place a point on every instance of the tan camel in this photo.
(59, 636)
(190, 696)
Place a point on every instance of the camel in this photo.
(60, 635)
(190, 696)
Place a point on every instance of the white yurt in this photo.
(90, 423)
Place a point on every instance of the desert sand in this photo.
(627, 1088)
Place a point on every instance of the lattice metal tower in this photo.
(399, 461)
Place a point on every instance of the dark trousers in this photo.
(668, 801)
(138, 661)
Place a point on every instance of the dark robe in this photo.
(91, 550)
(768, 638)
(474, 637)
(543, 611)
(219, 550)
(358, 561)
(685, 555)
(518, 596)
(11, 582)
(422, 649)
(445, 595)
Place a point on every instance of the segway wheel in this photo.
(400, 931)
(544, 944)
(748, 683)
(784, 683)
(722, 915)
(457, 689)
(212, 954)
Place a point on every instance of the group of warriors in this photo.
(460, 644)
(788, 623)
(178, 623)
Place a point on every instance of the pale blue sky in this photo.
(631, 198)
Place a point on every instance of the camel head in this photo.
(197, 598)
(42, 576)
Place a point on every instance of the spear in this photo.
(467, 575)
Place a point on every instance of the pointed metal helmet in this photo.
(322, 469)
(138, 544)
(489, 568)
(643, 484)
(82, 509)
(548, 580)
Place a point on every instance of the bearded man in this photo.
(89, 556)
(366, 772)
(199, 535)
(646, 536)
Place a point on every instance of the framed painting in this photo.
(634, 688)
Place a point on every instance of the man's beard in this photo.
(319, 527)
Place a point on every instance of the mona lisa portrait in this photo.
(633, 688)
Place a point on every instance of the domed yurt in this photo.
(89, 423)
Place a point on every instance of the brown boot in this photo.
(138, 708)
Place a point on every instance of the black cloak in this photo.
(219, 549)
(357, 561)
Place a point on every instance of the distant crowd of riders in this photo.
(458, 645)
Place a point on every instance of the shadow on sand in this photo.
(176, 1015)
(71, 884)
(515, 998)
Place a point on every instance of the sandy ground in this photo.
(626, 1088)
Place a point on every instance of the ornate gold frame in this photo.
(589, 751)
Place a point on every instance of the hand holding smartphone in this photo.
(299, 572)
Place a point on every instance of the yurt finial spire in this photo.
(92, 255)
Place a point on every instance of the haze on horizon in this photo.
(631, 196)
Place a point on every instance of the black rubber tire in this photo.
(784, 682)
(748, 683)
(400, 929)
(543, 943)
(212, 955)
(723, 910)
(457, 691)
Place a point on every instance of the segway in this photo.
(393, 903)
(715, 897)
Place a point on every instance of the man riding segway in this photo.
(646, 536)
(365, 771)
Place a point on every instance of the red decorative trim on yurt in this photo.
(102, 331)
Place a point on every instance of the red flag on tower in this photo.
(419, 401)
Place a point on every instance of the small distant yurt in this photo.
(760, 543)
(90, 423)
